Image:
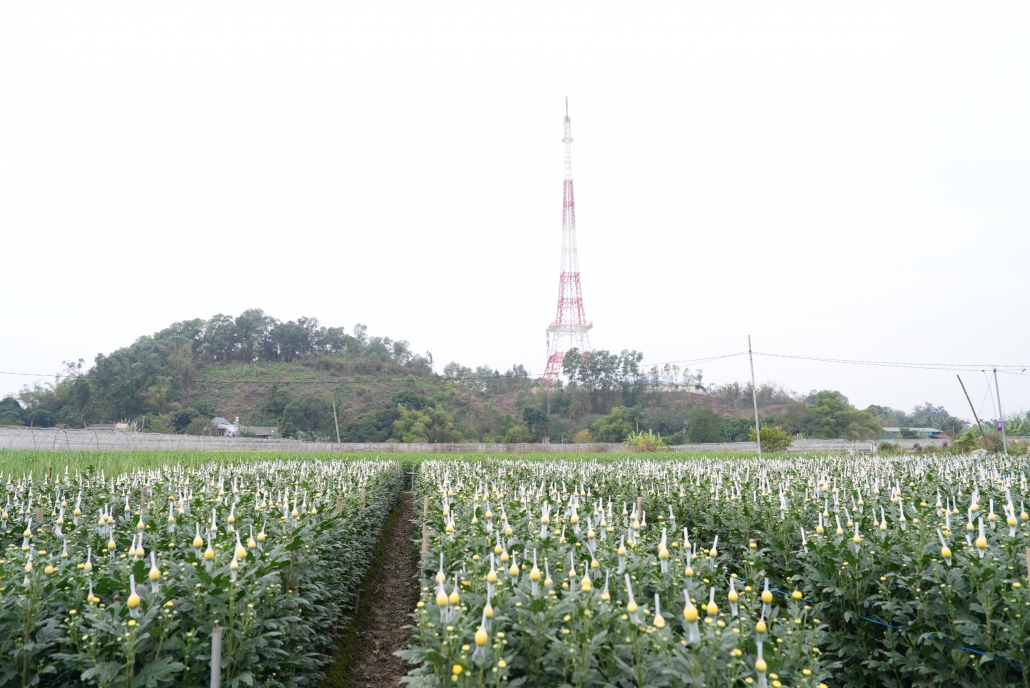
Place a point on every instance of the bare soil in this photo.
(364, 653)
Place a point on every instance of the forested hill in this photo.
(290, 374)
(252, 366)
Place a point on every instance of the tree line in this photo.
(604, 396)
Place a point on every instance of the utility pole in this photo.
(336, 420)
(754, 396)
(1001, 415)
(975, 417)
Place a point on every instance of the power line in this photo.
(895, 364)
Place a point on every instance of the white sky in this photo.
(843, 180)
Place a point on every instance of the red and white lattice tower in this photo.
(570, 327)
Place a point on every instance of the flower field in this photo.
(838, 571)
(118, 580)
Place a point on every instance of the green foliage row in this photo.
(117, 579)
(903, 572)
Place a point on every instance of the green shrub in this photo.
(774, 438)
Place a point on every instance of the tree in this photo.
(432, 424)
(536, 420)
(518, 434)
(618, 424)
(182, 419)
(200, 426)
(737, 429)
(410, 400)
(11, 412)
(703, 425)
(583, 437)
(41, 418)
(307, 414)
(774, 439)
(828, 415)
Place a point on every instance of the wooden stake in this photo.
(640, 508)
(1028, 563)
(362, 498)
(339, 504)
(39, 514)
(425, 542)
(425, 510)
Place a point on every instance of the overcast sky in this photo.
(842, 180)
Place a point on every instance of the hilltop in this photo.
(289, 374)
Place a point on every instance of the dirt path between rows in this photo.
(389, 592)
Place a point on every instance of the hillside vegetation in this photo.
(290, 374)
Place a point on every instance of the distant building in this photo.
(224, 428)
(895, 433)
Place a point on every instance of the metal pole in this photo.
(754, 397)
(1001, 415)
(978, 423)
(216, 656)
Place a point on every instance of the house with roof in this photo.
(224, 428)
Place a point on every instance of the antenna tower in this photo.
(570, 322)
